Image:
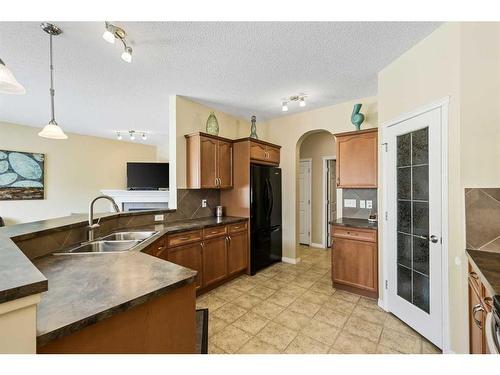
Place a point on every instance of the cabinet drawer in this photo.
(258, 152)
(273, 154)
(214, 231)
(184, 238)
(237, 227)
(355, 234)
(156, 247)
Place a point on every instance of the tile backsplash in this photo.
(482, 219)
(359, 194)
(189, 204)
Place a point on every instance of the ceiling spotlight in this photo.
(144, 136)
(302, 101)
(284, 106)
(127, 54)
(119, 136)
(108, 36)
(132, 134)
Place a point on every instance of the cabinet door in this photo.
(214, 260)
(354, 263)
(188, 256)
(476, 323)
(273, 154)
(155, 248)
(258, 151)
(208, 163)
(225, 164)
(357, 161)
(237, 253)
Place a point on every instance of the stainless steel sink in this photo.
(125, 236)
(101, 247)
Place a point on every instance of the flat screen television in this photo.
(147, 176)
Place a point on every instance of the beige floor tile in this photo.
(381, 349)
(282, 299)
(370, 315)
(245, 285)
(303, 307)
(360, 327)
(251, 323)
(292, 320)
(277, 335)
(210, 302)
(230, 339)
(268, 309)
(292, 289)
(340, 305)
(331, 317)
(323, 288)
(334, 351)
(303, 283)
(271, 284)
(247, 301)
(349, 297)
(369, 303)
(212, 349)
(269, 272)
(227, 293)
(306, 345)
(400, 341)
(229, 312)
(320, 331)
(262, 292)
(397, 325)
(284, 277)
(351, 344)
(257, 346)
(313, 297)
(429, 348)
(215, 325)
(259, 278)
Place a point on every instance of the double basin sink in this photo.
(118, 242)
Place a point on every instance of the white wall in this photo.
(76, 170)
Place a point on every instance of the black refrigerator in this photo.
(265, 216)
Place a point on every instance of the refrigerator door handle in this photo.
(271, 195)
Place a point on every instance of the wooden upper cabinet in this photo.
(209, 162)
(357, 159)
(264, 153)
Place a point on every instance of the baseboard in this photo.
(318, 245)
(290, 260)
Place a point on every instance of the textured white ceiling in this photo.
(242, 68)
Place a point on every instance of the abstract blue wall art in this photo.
(21, 175)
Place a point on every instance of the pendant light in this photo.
(52, 130)
(8, 83)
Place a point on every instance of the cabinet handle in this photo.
(476, 309)
(488, 301)
(474, 275)
(184, 238)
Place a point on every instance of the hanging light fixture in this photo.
(114, 32)
(52, 130)
(8, 83)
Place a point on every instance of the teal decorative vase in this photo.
(357, 117)
(253, 130)
(212, 124)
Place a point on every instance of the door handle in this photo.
(434, 239)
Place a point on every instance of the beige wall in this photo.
(191, 117)
(316, 146)
(76, 170)
(459, 60)
(288, 131)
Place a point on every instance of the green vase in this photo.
(357, 117)
(212, 125)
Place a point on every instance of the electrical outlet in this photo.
(203, 203)
(350, 203)
(159, 217)
(362, 203)
(369, 205)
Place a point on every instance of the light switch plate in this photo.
(159, 217)
(203, 203)
(369, 204)
(350, 203)
(362, 203)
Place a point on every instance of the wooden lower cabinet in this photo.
(237, 253)
(188, 256)
(476, 323)
(355, 263)
(214, 260)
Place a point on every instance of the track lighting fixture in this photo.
(114, 32)
(119, 136)
(301, 99)
(132, 134)
(144, 136)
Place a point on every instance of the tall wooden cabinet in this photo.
(209, 162)
(357, 159)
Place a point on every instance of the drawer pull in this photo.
(474, 275)
(184, 238)
(488, 301)
(475, 310)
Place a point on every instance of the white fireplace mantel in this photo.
(134, 198)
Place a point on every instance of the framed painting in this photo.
(21, 175)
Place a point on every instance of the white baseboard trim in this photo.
(290, 260)
(318, 245)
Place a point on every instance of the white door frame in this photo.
(324, 242)
(443, 105)
(309, 209)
